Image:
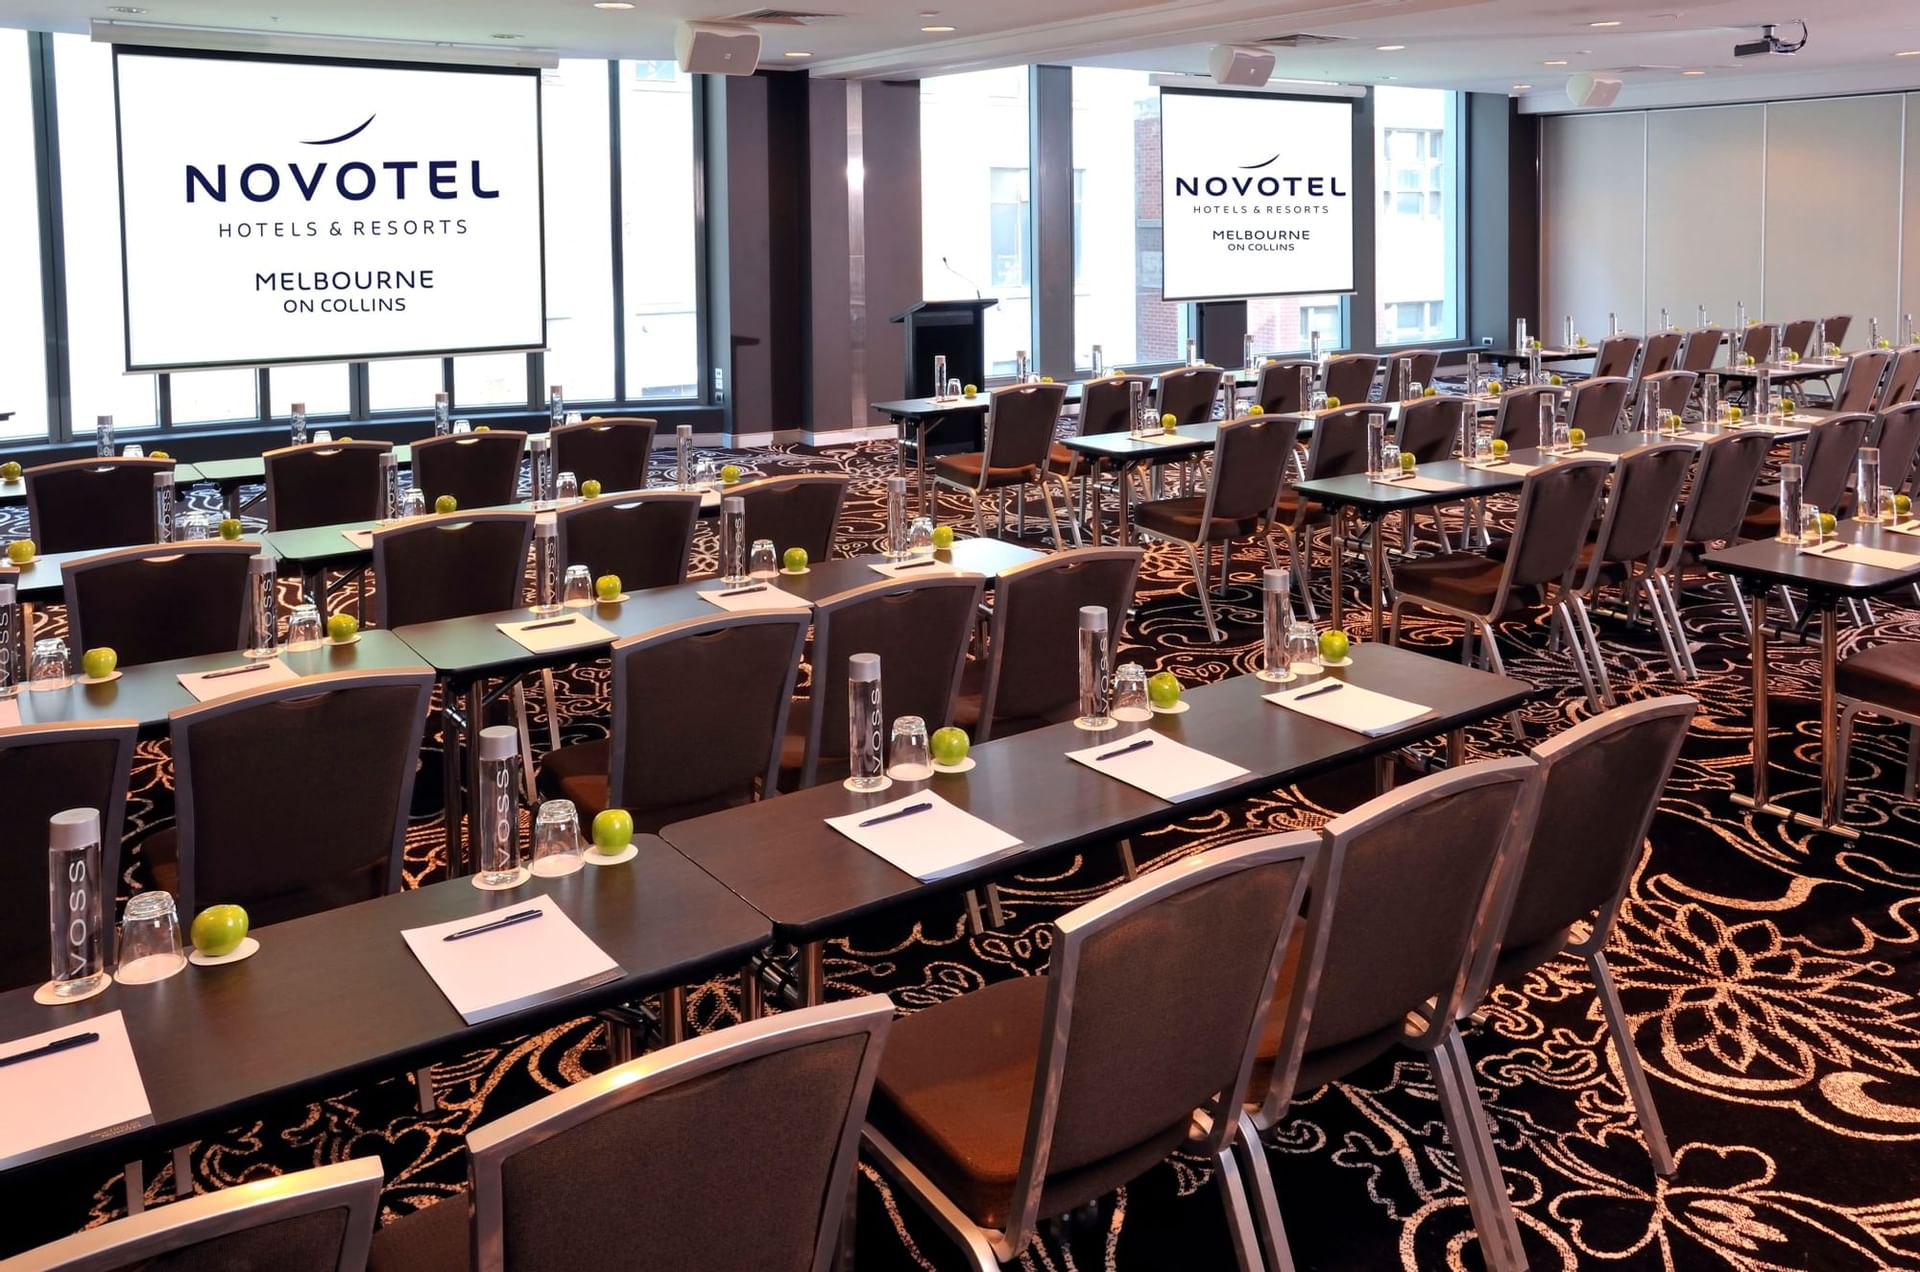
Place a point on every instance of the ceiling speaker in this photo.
(1592, 91)
(717, 48)
(1241, 66)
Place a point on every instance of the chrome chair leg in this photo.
(975, 923)
(1131, 870)
(521, 718)
(1200, 586)
(182, 1172)
(1466, 1122)
(1740, 608)
(134, 1185)
(1671, 596)
(1266, 1199)
(1498, 666)
(425, 1097)
(553, 709)
(1584, 647)
(1630, 1067)
(1233, 1195)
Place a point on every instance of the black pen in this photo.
(1329, 687)
(53, 1048)
(541, 627)
(1123, 750)
(895, 815)
(917, 565)
(522, 917)
(237, 671)
(742, 591)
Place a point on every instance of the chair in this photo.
(1837, 329)
(1826, 464)
(1106, 406)
(1661, 353)
(1881, 680)
(1756, 341)
(46, 769)
(1672, 390)
(1598, 405)
(1406, 368)
(1338, 448)
(1021, 420)
(1188, 394)
(1902, 377)
(1349, 377)
(699, 712)
(1395, 898)
(1615, 357)
(1599, 785)
(1430, 428)
(1519, 422)
(613, 452)
(646, 539)
(801, 511)
(1701, 348)
(1277, 391)
(1798, 334)
(1036, 1095)
(1724, 477)
(152, 604)
(480, 470)
(325, 484)
(1860, 382)
(426, 569)
(737, 1150)
(1249, 463)
(920, 629)
(1896, 432)
(318, 1220)
(80, 504)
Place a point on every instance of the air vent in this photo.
(782, 17)
(1297, 40)
(1636, 70)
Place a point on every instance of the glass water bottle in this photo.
(866, 725)
(1136, 399)
(1193, 352)
(1866, 485)
(1566, 333)
(262, 605)
(1762, 394)
(496, 813)
(1096, 673)
(556, 407)
(1792, 502)
(1520, 333)
(1246, 351)
(1710, 401)
(1276, 622)
(1020, 366)
(298, 424)
(1873, 333)
(1820, 338)
(103, 437)
(390, 486)
(13, 642)
(733, 538)
(1473, 375)
(540, 445)
(1306, 388)
(76, 904)
(898, 529)
(1376, 445)
(1099, 362)
(683, 456)
(1313, 347)
(1613, 323)
(546, 568)
(163, 507)
(442, 415)
(1739, 319)
(939, 374)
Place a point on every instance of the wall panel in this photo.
(1705, 173)
(1593, 185)
(1833, 208)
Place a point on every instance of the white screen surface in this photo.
(277, 210)
(1257, 195)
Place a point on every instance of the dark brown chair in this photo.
(325, 484)
(47, 769)
(1338, 448)
(1249, 464)
(1837, 329)
(1902, 377)
(1037, 1095)
(1407, 368)
(1756, 341)
(677, 1124)
(1881, 680)
(1106, 406)
(1701, 348)
(153, 604)
(1284, 387)
(801, 511)
(480, 470)
(1188, 394)
(1661, 353)
(1395, 899)
(1350, 376)
(1896, 432)
(1598, 405)
(80, 504)
(1671, 390)
(646, 539)
(920, 628)
(1615, 357)
(430, 568)
(1798, 335)
(1724, 478)
(1826, 468)
(1021, 421)
(318, 1220)
(237, 759)
(1429, 428)
(1519, 421)
(613, 452)
(1860, 382)
(699, 713)
(1599, 785)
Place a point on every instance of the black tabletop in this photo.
(1569, 353)
(1780, 372)
(782, 858)
(1361, 491)
(1125, 446)
(1769, 561)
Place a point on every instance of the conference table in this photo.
(1565, 353)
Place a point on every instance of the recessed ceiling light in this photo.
(612, 4)
(1389, 48)
(796, 53)
(508, 35)
(1909, 53)
(1693, 72)
(123, 8)
(1556, 62)
(936, 30)
(1389, 77)
(1609, 23)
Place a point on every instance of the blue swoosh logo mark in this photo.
(1245, 167)
(348, 136)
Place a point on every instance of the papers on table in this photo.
(362, 539)
(1350, 707)
(59, 1100)
(1854, 554)
(1508, 469)
(1904, 527)
(9, 712)
(926, 567)
(208, 685)
(495, 973)
(1434, 485)
(1157, 765)
(750, 597)
(932, 842)
(1802, 419)
(550, 635)
(1159, 439)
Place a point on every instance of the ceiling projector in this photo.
(1771, 45)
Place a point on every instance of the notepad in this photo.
(1881, 558)
(551, 635)
(766, 597)
(1350, 707)
(362, 539)
(497, 973)
(1507, 469)
(208, 685)
(1434, 485)
(1161, 439)
(9, 712)
(927, 567)
(57, 1102)
(931, 844)
(1165, 768)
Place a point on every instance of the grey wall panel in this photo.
(1593, 241)
(1705, 173)
(830, 325)
(891, 118)
(1910, 212)
(1833, 208)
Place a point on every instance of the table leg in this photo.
(1832, 764)
(920, 431)
(1125, 533)
(673, 1015)
(1456, 747)
(1760, 801)
(752, 999)
(230, 492)
(813, 976)
(1339, 569)
(1376, 562)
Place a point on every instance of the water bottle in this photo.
(1376, 443)
(13, 642)
(1520, 340)
(1762, 394)
(1313, 347)
(546, 568)
(1020, 366)
(263, 616)
(163, 510)
(390, 483)
(683, 456)
(76, 905)
(1820, 338)
(897, 528)
(1773, 346)
(1277, 620)
(1566, 333)
(1306, 388)
(442, 415)
(1710, 401)
(1792, 511)
(103, 437)
(1473, 375)
(1873, 333)
(556, 407)
(1739, 320)
(541, 447)
(1613, 323)
(1136, 395)
(866, 725)
(939, 374)
(1866, 485)
(1193, 352)
(1666, 324)
(1649, 413)
(496, 813)
(1096, 677)
(1099, 362)
(1702, 315)
(1547, 424)
(1533, 367)
(1246, 351)
(733, 537)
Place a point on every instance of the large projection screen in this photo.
(282, 210)
(1257, 195)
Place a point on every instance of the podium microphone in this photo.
(962, 277)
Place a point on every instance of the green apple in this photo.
(942, 538)
(1885, 343)
(1407, 461)
(607, 586)
(1734, 413)
(1535, 343)
(1576, 437)
(1747, 359)
(1332, 403)
(231, 529)
(446, 504)
(99, 662)
(158, 455)
(949, 745)
(483, 428)
(1334, 645)
(9, 471)
(1256, 409)
(1826, 523)
(1556, 380)
(1903, 505)
(795, 559)
(1786, 406)
(1168, 423)
(1494, 386)
(612, 831)
(1499, 448)
(342, 628)
(1792, 356)
(589, 489)
(1580, 342)
(1046, 379)
(729, 474)
(1430, 391)
(21, 551)
(1164, 689)
(218, 930)
(973, 390)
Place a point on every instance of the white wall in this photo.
(1798, 208)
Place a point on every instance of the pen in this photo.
(541, 627)
(521, 917)
(1329, 687)
(1123, 750)
(896, 814)
(237, 671)
(742, 591)
(55, 1047)
(917, 565)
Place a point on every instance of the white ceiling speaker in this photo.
(1591, 90)
(717, 48)
(1240, 65)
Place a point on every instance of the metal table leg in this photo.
(1375, 564)
(920, 431)
(1832, 763)
(1125, 534)
(1339, 568)
(813, 976)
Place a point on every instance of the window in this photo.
(215, 397)
(659, 236)
(405, 384)
(23, 369)
(1416, 227)
(489, 379)
(1012, 227)
(579, 215)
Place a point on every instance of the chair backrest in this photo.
(1397, 892)
(80, 504)
(613, 452)
(644, 538)
(1104, 403)
(1828, 458)
(325, 484)
(318, 1220)
(1338, 447)
(47, 769)
(1798, 334)
(1430, 427)
(1406, 368)
(1860, 383)
(1897, 434)
(1702, 346)
(699, 711)
(1837, 326)
(429, 568)
(1616, 356)
(1278, 389)
(1518, 422)
(1597, 404)
(689, 1200)
(1646, 490)
(1249, 462)
(920, 629)
(1020, 425)
(480, 470)
(1723, 481)
(155, 603)
(1599, 785)
(1188, 393)
(353, 733)
(1350, 377)
(1671, 389)
(1557, 507)
(801, 511)
(1155, 996)
(1756, 341)
(1032, 669)
(1902, 376)
(1662, 352)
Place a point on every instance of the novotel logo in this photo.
(262, 182)
(1266, 186)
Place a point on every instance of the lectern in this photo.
(957, 328)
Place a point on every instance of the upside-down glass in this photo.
(149, 939)
(764, 562)
(576, 590)
(566, 488)
(304, 627)
(556, 839)
(920, 537)
(1562, 436)
(321, 436)
(462, 426)
(1303, 650)
(704, 472)
(413, 502)
(1130, 700)
(909, 758)
(1813, 532)
(133, 450)
(193, 526)
(49, 667)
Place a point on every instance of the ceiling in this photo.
(1482, 45)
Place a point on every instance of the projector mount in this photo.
(1770, 44)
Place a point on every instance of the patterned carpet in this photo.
(1769, 973)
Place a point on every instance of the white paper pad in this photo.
(504, 971)
(577, 631)
(9, 712)
(1168, 769)
(771, 598)
(1904, 527)
(208, 685)
(914, 570)
(1507, 469)
(56, 1102)
(1854, 554)
(1351, 707)
(1433, 484)
(941, 841)
(1802, 419)
(1162, 439)
(362, 539)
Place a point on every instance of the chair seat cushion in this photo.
(434, 1239)
(1762, 520)
(1459, 580)
(1289, 511)
(1888, 675)
(964, 470)
(579, 773)
(1063, 460)
(1181, 518)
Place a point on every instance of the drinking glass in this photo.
(703, 473)
(49, 668)
(1415, 391)
(1303, 650)
(920, 537)
(321, 436)
(149, 940)
(463, 426)
(1812, 533)
(1130, 702)
(566, 488)
(911, 760)
(195, 525)
(764, 562)
(1482, 446)
(1889, 512)
(304, 627)
(133, 450)
(413, 503)
(577, 588)
(953, 388)
(1390, 458)
(573, 417)
(556, 839)
(1562, 439)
